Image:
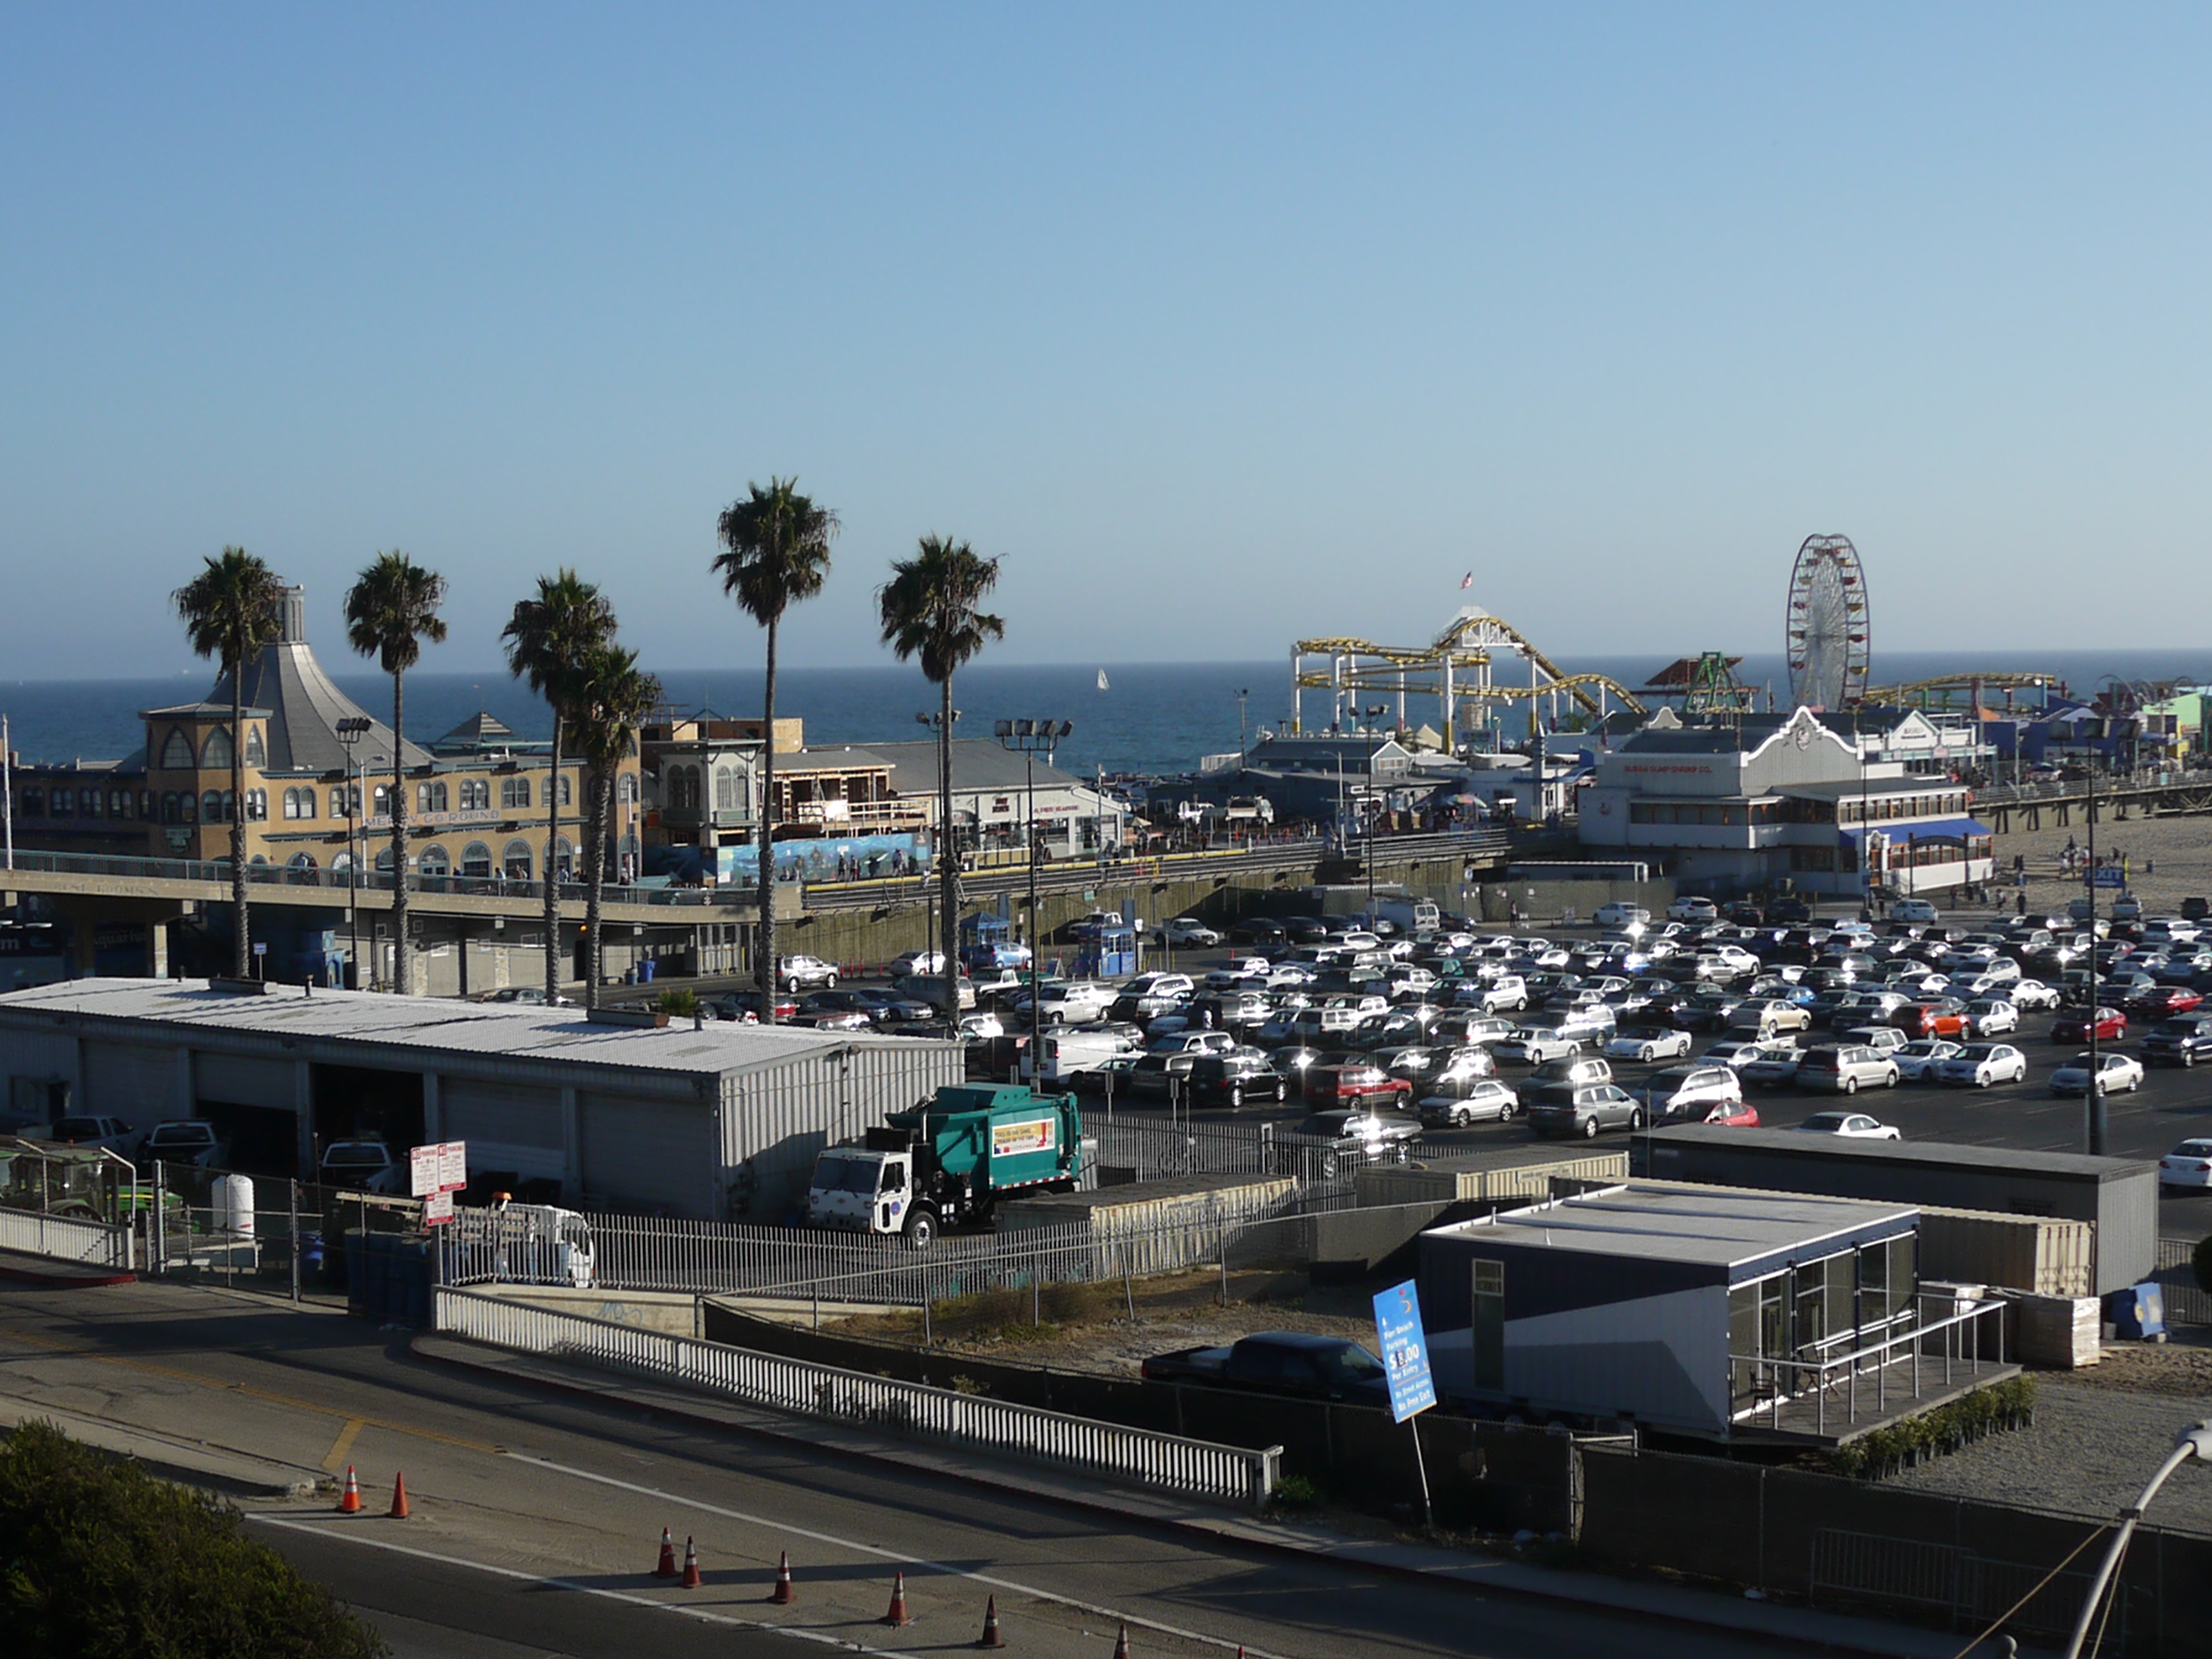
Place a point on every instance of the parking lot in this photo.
(2173, 1104)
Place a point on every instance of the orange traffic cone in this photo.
(991, 1638)
(350, 1500)
(691, 1564)
(667, 1568)
(399, 1496)
(1121, 1644)
(897, 1614)
(781, 1594)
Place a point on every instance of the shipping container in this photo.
(1524, 1171)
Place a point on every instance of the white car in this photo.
(2032, 993)
(2116, 1074)
(1979, 1065)
(1692, 908)
(1189, 930)
(1236, 972)
(1852, 1126)
(1532, 1045)
(917, 961)
(2188, 1165)
(1648, 1046)
(1918, 1059)
(1988, 1017)
(1621, 914)
(800, 973)
(1486, 1100)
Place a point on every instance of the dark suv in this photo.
(2181, 1041)
(1231, 1079)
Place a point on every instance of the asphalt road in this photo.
(537, 1517)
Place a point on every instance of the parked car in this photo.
(109, 1133)
(1187, 930)
(1979, 1065)
(1884, 1039)
(802, 973)
(184, 1140)
(2116, 1074)
(1845, 1068)
(1770, 1016)
(1731, 1115)
(2180, 1042)
(2112, 1026)
(1914, 910)
(1773, 1066)
(1572, 1069)
(1352, 1082)
(1622, 914)
(1989, 1016)
(1851, 1126)
(1918, 1059)
(2032, 993)
(1687, 1093)
(1487, 1100)
(916, 962)
(1532, 1045)
(1583, 1112)
(2160, 1001)
(364, 1166)
(1648, 1043)
(1293, 1363)
(2188, 1165)
(1259, 930)
(1351, 1138)
(1231, 1079)
(1691, 907)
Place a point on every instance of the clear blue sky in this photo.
(1224, 324)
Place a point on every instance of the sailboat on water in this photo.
(1102, 685)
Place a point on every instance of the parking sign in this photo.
(1405, 1348)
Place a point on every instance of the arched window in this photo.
(384, 859)
(476, 794)
(217, 755)
(211, 807)
(514, 863)
(435, 861)
(626, 790)
(725, 789)
(339, 799)
(187, 807)
(301, 864)
(177, 752)
(476, 859)
(341, 863)
(514, 794)
(430, 797)
(256, 754)
(564, 858)
(62, 803)
(380, 801)
(256, 804)
(88, 802)
(565, 791)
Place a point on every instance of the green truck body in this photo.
(948, 1161)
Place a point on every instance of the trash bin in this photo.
(645, 972)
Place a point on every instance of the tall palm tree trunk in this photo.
(599, 829)
(400, 968)
(242, 954)
(948, 855)
(552, 870)
(766, 969)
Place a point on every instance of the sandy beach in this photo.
(2169, 859)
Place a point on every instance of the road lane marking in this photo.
(334, 1460)
(250, 1392)
(785, 1530)
(798, 1632)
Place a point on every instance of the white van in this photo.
(1068, 1052)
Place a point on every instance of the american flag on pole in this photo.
(1467, 581)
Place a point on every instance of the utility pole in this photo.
(1025, 739)
(351, 730)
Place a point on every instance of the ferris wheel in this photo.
(1826, 624)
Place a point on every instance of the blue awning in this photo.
(1927, 830)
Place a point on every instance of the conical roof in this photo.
(479, 732)
(305, 705)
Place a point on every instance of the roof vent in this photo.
(241, 987)
(640, 1018)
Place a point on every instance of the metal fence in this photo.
(66, 1238)
(1163, 1462)
(1160, 1149)
(2187, 1302)
(1852, 1569)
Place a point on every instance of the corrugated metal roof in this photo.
(1710, 1225)
(441, 1026)
(1791, 1143)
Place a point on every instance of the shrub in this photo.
(1296, 1491)
(677, 1002)
(2007, 1405)
(101, 1560)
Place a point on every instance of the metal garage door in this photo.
(648, 1155)
(499, 1113)
(137, 1084)
(243, 1082)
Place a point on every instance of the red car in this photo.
(1351, 1085)
(2112, 1025)
(2163, 1001)
(1733, 1115)
(1944, 1017)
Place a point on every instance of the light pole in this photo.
(1025, 739)
(2193, 1442)
(948, 847)
(2093, 1096)
(351, 730)
(1243, 692)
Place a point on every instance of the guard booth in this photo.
(1111, 954)
(987, 944)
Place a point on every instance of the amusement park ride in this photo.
(1827, 642)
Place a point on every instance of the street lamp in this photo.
(1243, 692)
(1025, 739)
(2194, 1441)
(948, 860)
(351, 730)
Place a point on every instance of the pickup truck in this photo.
(1293, 1363)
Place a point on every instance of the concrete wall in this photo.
(674, 1312)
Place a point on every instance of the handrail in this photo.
(1882, 1354)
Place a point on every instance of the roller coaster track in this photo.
(1473, 635)
(1903, 695)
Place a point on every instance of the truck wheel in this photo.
(920, 1229)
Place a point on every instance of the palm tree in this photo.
(776, 551)
(612, 699)
(230, 610)
(548, 638)
(389, 612)
(929, 610)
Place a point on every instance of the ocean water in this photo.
(1151, 718)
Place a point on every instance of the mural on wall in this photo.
(847, 858)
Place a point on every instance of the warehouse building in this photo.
(713, 1122)
(2117, 1196)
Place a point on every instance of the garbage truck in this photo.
(948, 1162)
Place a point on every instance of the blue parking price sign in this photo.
(1405, 1348)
